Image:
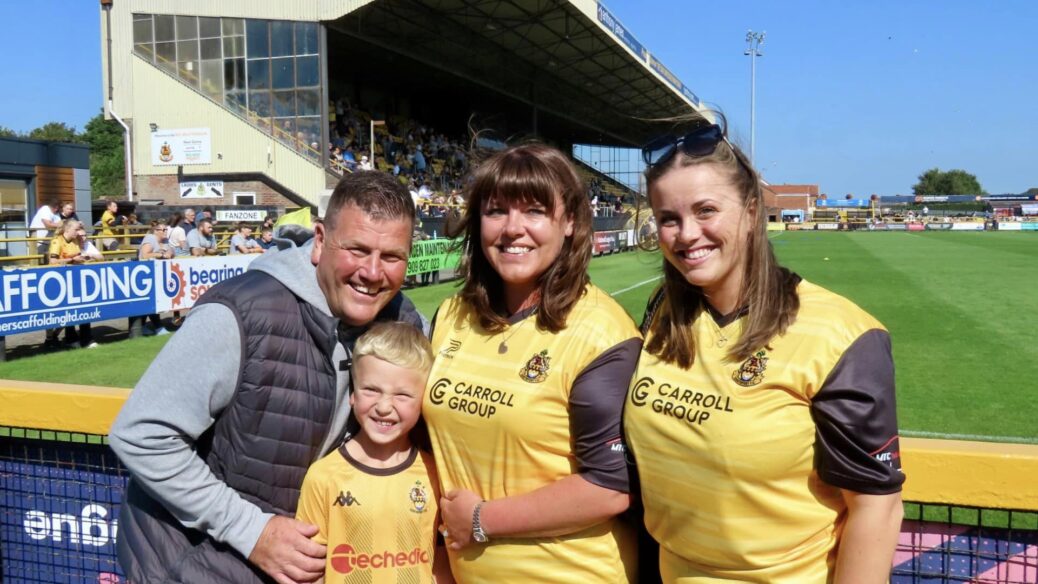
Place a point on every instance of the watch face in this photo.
(479, 536)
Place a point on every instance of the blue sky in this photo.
(858, 97)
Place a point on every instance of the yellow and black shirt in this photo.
(511, 412)
(61, 248)
(741, 463)
(379, 523)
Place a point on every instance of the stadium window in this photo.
(235, 101)
(208, 27)
(281, 73)
(286, 127)
(310, 128)
(280, 38)
(234, 74)
(142, 29)
(242, 199)
(259, 103)
(232, 26)
(284, 103)
(308, 100)
(163, 28)
(234, 46)
(187, 28)
(259, 74)
(187, 50)
(211, 49)
(212, 79)
(257, 39)
(166, 56)
(306, 38)
(307, 71)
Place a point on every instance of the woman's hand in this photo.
(456, 509)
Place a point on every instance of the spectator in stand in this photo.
(109, 220)
(177, 236)
(189, 221)
(594, 205)
(155, 246)
(242, 241)
(349, 159)
(270, 220)
(419, 160)
(266, 240)
(45, 219)
(132, 225)
(207, 213)
(365, 164)
(201, 241)
(65, 249)
(89, 250)
(68, 211)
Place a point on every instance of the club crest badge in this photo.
(536, 369)
(752, 370)
(165, 152)
(418, 496)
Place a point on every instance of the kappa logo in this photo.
(347, 500)
(536, 369)
(617, 445)
(419, 497)
(751, 372)
(452, 347)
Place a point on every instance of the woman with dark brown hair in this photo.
(761, 416)
(525, 397)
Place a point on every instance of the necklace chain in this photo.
(503, 347)
(722, 339)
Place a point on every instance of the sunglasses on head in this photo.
(698, 142)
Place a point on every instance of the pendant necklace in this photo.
(503, 347)
(722, 339)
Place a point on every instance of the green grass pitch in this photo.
(961, 309)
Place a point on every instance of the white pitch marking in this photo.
(638, 285)
(975, 437)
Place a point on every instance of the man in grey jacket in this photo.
(219, 432)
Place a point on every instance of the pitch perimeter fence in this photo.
(971, 513)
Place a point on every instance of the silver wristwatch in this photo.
(478, 535)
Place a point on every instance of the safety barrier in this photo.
(971, 515)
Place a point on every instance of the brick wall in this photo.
(166, 188)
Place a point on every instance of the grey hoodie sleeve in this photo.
(187, 386)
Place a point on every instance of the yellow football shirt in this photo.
(62, 248)
(500, 426)
(734, 458)
(379, 524)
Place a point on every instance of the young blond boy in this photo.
(374, 500)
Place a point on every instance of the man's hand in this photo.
(285, 552)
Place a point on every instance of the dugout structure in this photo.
(237, 92)
(971, 510)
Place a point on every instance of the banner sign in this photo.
(42, 298)
(1029, 226)
(212, 189)
(432, 255)
(968, 226)
(60, 513)
(843, 203)
(183, 146)
(1010, 226)
(614, 26)
(897, 227)
(606, 242)
(676, 83)
(878, 227)
(938, 226)
(247, 215)
(827, 226)
(179, 283)
(916, 227)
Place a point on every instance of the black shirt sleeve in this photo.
(856, 440)
(596, 404)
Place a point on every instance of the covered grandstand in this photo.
(266, 86)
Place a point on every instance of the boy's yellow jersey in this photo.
(379, 524)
